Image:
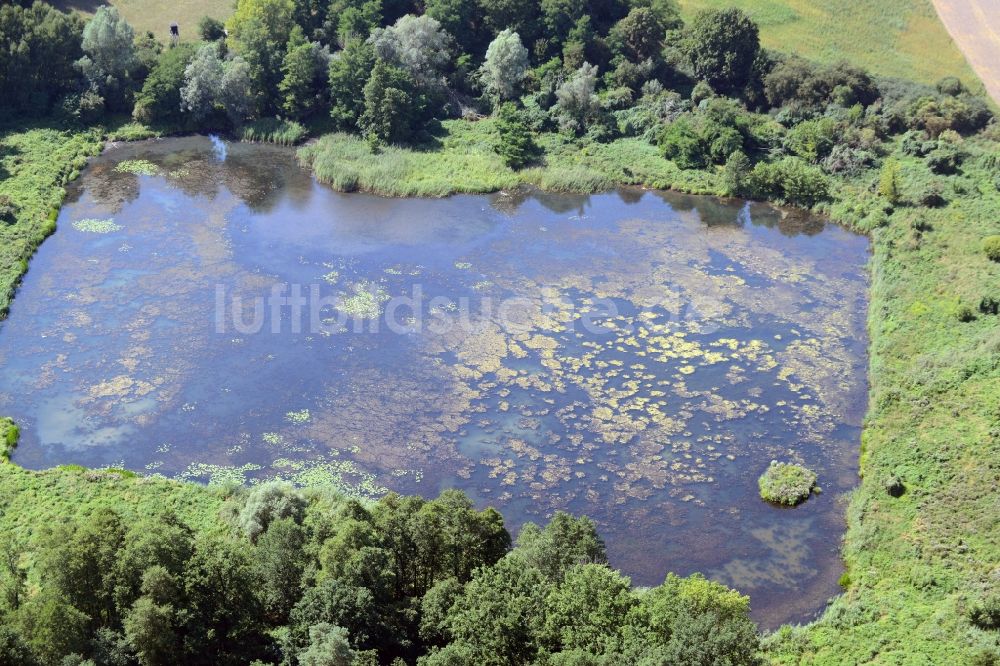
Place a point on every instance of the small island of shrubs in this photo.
(786, 483)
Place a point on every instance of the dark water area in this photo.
(639, 357)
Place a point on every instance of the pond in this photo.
(208, 311)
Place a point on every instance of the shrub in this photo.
(950, 85)
(708, 136)
(736, 173)
(786, 483)
(681, 142)
(848, 161)
(989, 305)
(945, 159)
(8, 209)
(991, 246)
(266, 503)
(516, 145)
(210, 29)
(84, 108)
(797, 82)
(652, 111)
(985, 613)
(916, 143)
(894, 486)
(9, 434)
(964, 313)
(789, 180)
(701, 92)
(933, 196)
(813, 139)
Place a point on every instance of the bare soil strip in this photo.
(975, 27)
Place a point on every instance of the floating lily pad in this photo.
(94, 226)
(137, 167)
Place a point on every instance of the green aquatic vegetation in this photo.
(9, 435)
(342, 476)
(786, 483)
(331, 277)
(297, 417)
(95, 226)
(365, 302)
(274, 130)
(137, 167)
(463, 265)
(218, 475)
(273, 438)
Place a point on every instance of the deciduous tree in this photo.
(109, 58)
(722, 46)
(505, 66)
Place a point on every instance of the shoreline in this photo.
(911, 323)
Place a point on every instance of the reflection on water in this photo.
(736, 337)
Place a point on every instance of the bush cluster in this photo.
(991, 247)
(786, 483)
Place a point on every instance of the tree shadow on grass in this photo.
(85, 6)
(6, 152)
(428, 140)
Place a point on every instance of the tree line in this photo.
(308, 577)
(706, 92)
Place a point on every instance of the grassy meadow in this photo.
(156, 15)
(900, 38)
(919, 562)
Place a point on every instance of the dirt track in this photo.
(975, 27)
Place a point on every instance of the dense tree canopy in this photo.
(311, 578)
(39, 46)
(505, 67)
(109, 56)
(259, 31)
(723, 46)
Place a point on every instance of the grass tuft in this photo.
(274, 130)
